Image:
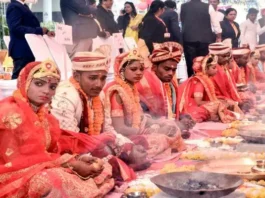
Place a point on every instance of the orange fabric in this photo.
(225, 85)
(260, 76)
(187, 102)
(116, 108)
(242, 76)
(154, 95)
(213, 110)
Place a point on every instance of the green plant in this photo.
(3, 31)
(50, 25)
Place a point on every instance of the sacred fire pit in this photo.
(197, 184)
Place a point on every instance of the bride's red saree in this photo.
(30, 150)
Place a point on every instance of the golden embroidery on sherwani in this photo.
(12, 120)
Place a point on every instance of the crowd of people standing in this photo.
(161, 23)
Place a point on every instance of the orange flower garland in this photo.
(94, 122)
(135, 101)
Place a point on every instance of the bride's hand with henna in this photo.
(85, 169)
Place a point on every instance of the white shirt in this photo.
(214, 20)
(67, 108)
(249, 34)
(21, 2)
(219, 16)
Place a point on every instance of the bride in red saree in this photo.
(31, 163)
(123, 112)
(198, 98)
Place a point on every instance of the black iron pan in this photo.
(172, 184)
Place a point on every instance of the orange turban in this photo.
(166, 51)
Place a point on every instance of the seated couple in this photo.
(198, 97)
(261, 63)
(136, 134)
(224, 81)
(247, 72)
(34, 159)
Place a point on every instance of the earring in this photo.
(122, 75)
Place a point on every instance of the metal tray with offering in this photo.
(197, 184)
(253, 133)
(242, 167)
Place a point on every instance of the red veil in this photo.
(225, 85)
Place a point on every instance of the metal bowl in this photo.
(171, 183)
(136, 195)
(261, 164)
(254, 136)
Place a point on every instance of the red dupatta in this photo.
(31, 142)
(225, 86)
(153, 94)
(28, 140)
(186, 90)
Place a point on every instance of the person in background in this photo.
(230, 28)
(255, 75)
(198, 19)
(261, 27)
(225, 85)
(198, 98)
(241, 57)
(170, 17)
(79, 15)
(261, 64)
(131, 21)
(242, 77)
(105, 18)
(153, 29)
(248, 30)
(219, 15)
(22, 21)
(120, 19)
(92, 3)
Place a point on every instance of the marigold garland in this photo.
(94, 125)
(135, 101)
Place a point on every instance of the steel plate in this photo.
(240, 167)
